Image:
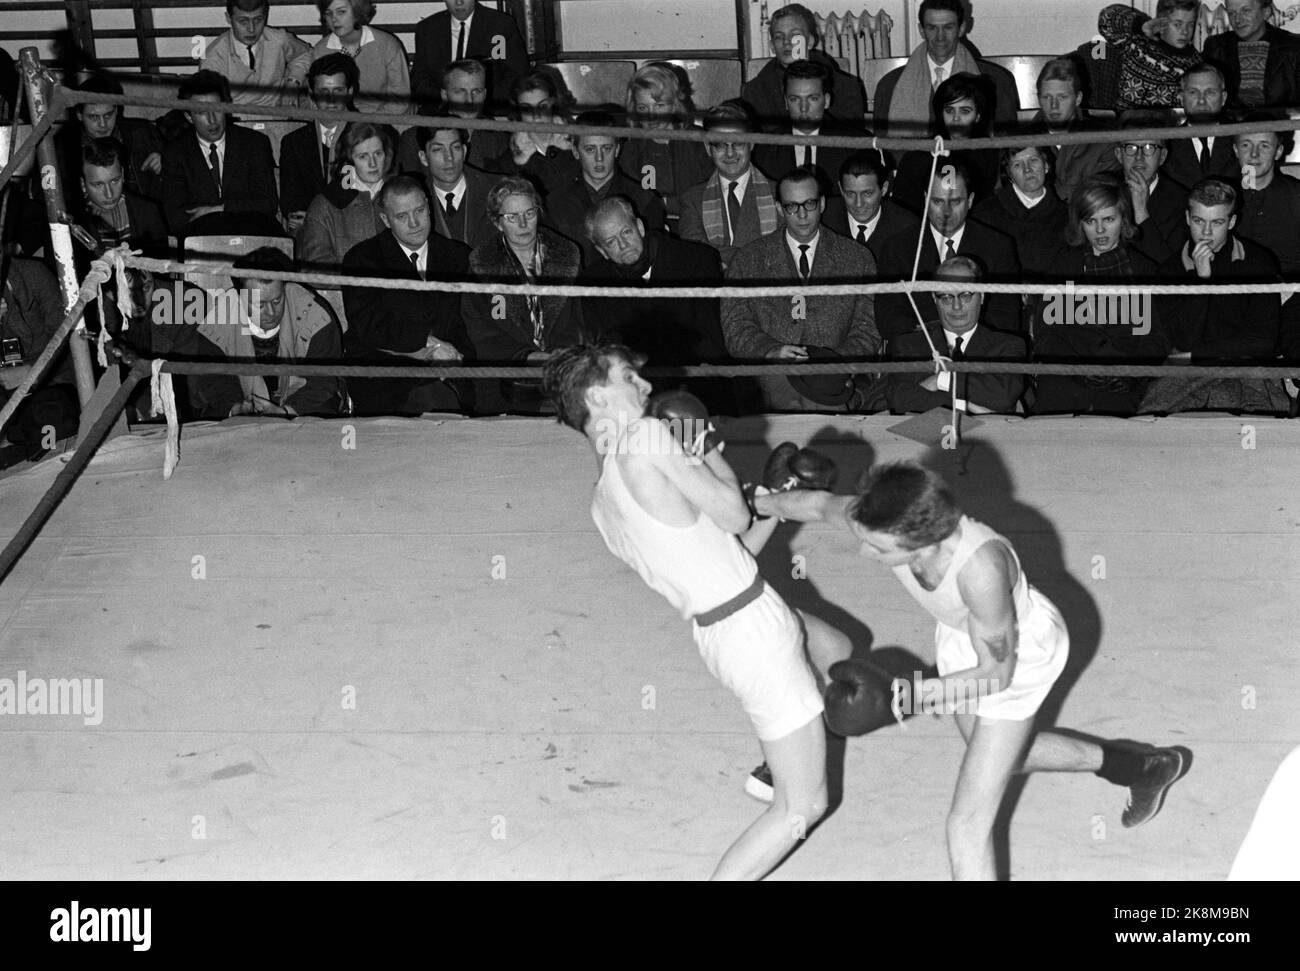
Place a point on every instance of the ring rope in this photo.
(920, 143)
(333, 281)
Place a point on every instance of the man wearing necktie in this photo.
(948, 232)
(861, 211)
(1203, 97)
(808, 109)
(466, 29)
(218, 168)
(459, 192)
(264, 64)
(307, 153)
(802, 328)
(959, 335)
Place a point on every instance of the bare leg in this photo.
(826, 644)
(798, 764)
(993, 751)
(1050, 751)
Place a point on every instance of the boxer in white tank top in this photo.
(680, 521)
(1000, 645)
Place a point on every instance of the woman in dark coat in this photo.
(1074, 327)
(1026, 208)
(510, 328)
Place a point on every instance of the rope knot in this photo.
(939, 151)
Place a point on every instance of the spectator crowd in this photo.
(443, 202)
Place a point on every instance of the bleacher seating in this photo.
(592, 83)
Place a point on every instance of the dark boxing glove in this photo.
(687, 418)
(858, 699)
(791, 467)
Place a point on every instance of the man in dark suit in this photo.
(466, 30)
(801, 329)
(1253, 35)
(793, 32)
(948, 233)
(459, 193)
(959, 335)
(1192, 159)
(807, 100)
(601, 178)
(667, 330)
(402, 328)
(1159, 203)
(861, 212)
(307, 153)
(218, 168)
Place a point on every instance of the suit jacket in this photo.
(765, 93)
(279, 54)
(476, 226)
(667, 330)
(747, 229)
(844, 324)
(995, 251)
(567, 209)
(505, 61)
(1186, 169)
(687, 164)
(1037, 231)
(301, 177)
(1221, 50)
(247, 177)
(402, 320)
(894, 219)
(1165, 230)
(996, 392)
(777, 160)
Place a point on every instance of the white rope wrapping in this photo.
(164, 402)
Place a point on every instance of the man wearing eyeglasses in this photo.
(802, 328)
(1159, 203)
(957, 334)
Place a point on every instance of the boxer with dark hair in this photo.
(1000, 645)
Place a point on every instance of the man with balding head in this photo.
(668, 330)
(403, 328)
(958, 333)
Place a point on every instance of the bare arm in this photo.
(986, 583)
(709, 485)
(806, 506)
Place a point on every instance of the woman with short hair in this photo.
(380, 57)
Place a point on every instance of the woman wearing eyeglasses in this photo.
(962, 108)
(1073, 326)
(510, 328)
(1026, 207)
(657, 100)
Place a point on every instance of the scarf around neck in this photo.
(909, 109)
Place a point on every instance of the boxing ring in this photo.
(415, 658)
(397, 648)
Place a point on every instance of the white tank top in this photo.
(695, 568)
(944, 603)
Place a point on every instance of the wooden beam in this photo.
(79, 25)
(148, 41)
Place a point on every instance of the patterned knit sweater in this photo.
(1149, 68)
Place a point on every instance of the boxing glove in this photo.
(858, 699)
(791, 467)
(687, 418)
